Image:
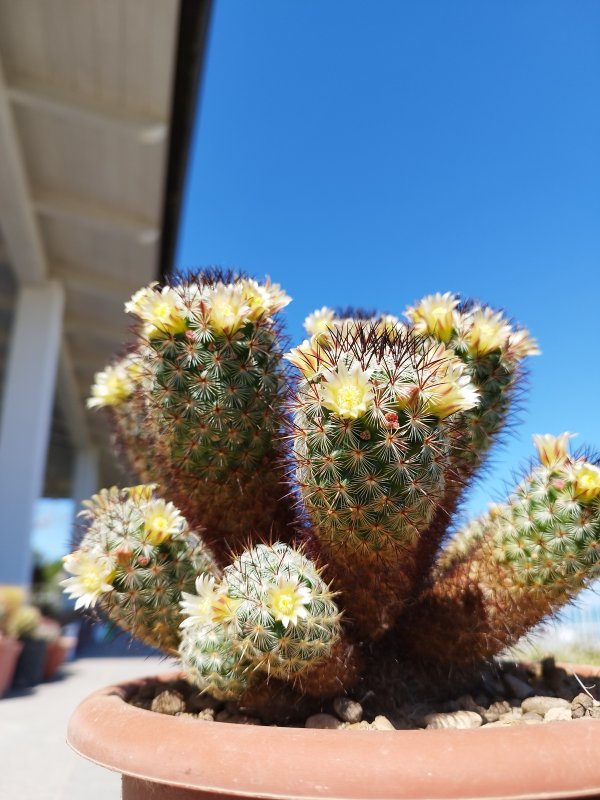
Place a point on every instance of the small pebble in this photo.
(363, 725)
(581, 705)
(512, 715)
(595, 712)
(323, 721)
(207, 714)
(531, 716)
(382, 723)
(347, 710)
(557, 715)
(496, 709)
(455, 719)
(542, 704)
(168, 702)
(222, 716)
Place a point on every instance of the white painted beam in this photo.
(26, 419)
(85, 480)
(19, 226)
(70, 400)
(95, 330)
(81, 211)
(85, 280)
(90, 110)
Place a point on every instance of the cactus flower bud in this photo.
(552, 450)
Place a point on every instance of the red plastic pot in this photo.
(10, 650)
(178, 758)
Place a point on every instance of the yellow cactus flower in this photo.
(486, 331)
(586, 481)
(435, 315)
(93, 573)
(224, 608)
(287, 601)
(163, 311)
(111, 387)
(521, 344)
(229, 308)
(552, 450)
(347, 392)
(309, 357)
(198, 607)
(320, 321)
(141, 493)
(162, 521)
(448, 389)
(263, 299)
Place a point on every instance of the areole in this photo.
(177, 758)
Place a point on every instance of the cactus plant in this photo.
(324, 496)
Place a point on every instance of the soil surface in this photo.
(505, 694)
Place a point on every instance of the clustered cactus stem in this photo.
(213, 389)
(299, 534)
(372, 447)
(135, 558)
(514, 566)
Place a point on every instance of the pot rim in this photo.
(550, 760)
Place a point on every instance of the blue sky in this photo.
(371, 153)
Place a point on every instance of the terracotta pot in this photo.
(178, 758)
(10, 650)
(56, 655)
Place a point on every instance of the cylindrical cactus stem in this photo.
(371, 441)
(135, 559)
(118, 389)
(335, 674)
(271, 615)
(515, 565)
(215, 393)
(492, 351)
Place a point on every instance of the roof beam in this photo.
(19, 226)
(96, 330)
(80, 211)
(84, 280)
(70, 400)
(72, 106)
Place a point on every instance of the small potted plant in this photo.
(11, 599)
(287, 540)
(28, 627)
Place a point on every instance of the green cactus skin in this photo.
(271, 614)
(147, 578)
(216, 400)
(370, 484)
(135, 435)
(494, 362)
(213, 660)
(510, 569)
(116, 389)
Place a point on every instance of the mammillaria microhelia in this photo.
(289, 522)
